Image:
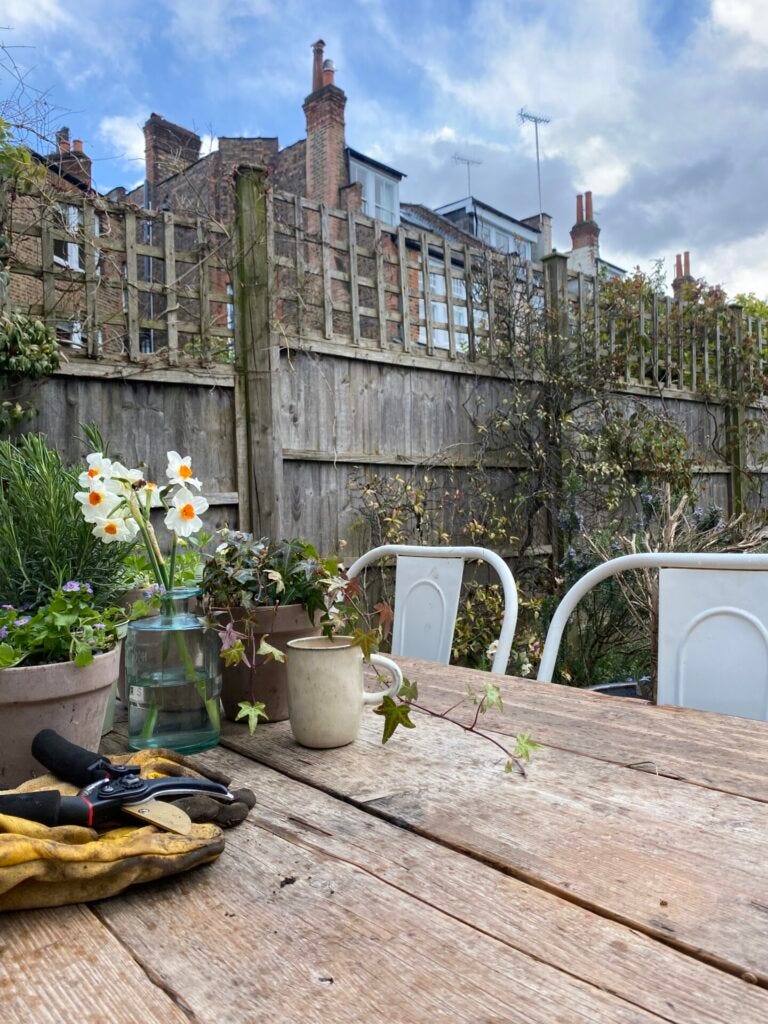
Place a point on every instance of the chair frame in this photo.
(468, 554)
(644, 560)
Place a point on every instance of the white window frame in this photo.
(72, 217)
(368, 176)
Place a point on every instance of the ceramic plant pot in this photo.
(265, 680)
(71, 700)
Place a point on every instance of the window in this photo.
(380, 192)
(70, 332)
(68, 252)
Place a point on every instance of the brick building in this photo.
(584, 255)
(320, 167)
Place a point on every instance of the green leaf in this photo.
(253, 711)
(268, 651)
(8, 656)
(492, 697)
(83, 655)
(233, 655)
(394, 714)
(525, 746)
(408, 691)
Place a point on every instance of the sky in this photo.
(660, 107)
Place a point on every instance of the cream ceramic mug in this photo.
(325, 689)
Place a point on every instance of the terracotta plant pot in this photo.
(265, 681)
(71, 700)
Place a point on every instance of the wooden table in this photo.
(626, 879)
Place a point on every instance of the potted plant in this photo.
(58, 665)
(172, 666)
(259, 589)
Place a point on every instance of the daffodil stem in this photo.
(172, 569)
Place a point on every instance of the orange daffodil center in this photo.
(111, 529)
(187, 511)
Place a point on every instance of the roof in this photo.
(357, 155)
(47, 161)
(424, 218)
(449, 207)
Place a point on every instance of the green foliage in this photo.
(395, 713)
(28, 352)
(248, 573)
(252, 711)
(68, 628)
(44, 541)
(751, 305)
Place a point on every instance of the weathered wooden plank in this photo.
(349, 873)
(131, 291)
(449, 298)
(91, 256)
(381, 298)
(211, 376)
(298, 238)
(64, 965)
(46, 255)
(354, 288)
(426, 292)
(204, 287)
(656, 854)
(677, 743)
(171, 299)
(405, 291)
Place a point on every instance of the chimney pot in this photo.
(678, 266)
(317, 64)
(77, 145)
(579, 208)
(588, 202)
(328, 72)
(687, 264)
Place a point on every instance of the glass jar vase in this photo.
(173, 678)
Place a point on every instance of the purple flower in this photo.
(154, 588)
(23, 620)
(87, 588)
(99, 625)
(3, 632)
(71, 586)
(7, 607)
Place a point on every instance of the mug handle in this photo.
(379, 661)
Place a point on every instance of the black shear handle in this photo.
(48, 807)
(68, 761)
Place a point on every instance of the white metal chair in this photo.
(427, 586)
(713, 628)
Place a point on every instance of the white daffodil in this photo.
(183, 516)
(124, 478)
(99, 501)
(112, 528)
(179, 471)
(99, 468)
(153, 491)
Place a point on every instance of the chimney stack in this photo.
(317, 65)
(62, 140)
(326, 159)
(683, 275)
(678, 267)
(70, 159)
(686, 264)
(168, 149)
(77, 145)
(585, 233)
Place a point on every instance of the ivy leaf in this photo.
(268, 651)
(233, 654)
(386, 617)
(253, 711)
(492, 697)
(408, 691)
(525, 746)
(394, 714)
(366, 641)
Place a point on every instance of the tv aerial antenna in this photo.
(525, 116)
(470, 163)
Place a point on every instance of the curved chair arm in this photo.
(469, 554)
(645, 560)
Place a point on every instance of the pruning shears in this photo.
(107, 789)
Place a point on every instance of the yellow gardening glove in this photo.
(49, 867)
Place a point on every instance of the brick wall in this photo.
(326, 147)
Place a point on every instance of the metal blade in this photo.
(155, 812)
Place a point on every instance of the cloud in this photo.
(747, 20)
(125, 134)
(33, 14)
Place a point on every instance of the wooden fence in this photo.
(360, 349)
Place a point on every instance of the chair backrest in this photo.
(427, 588)
(713, 628)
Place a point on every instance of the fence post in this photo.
(260, 458)
(734, 412)
(556, 299)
